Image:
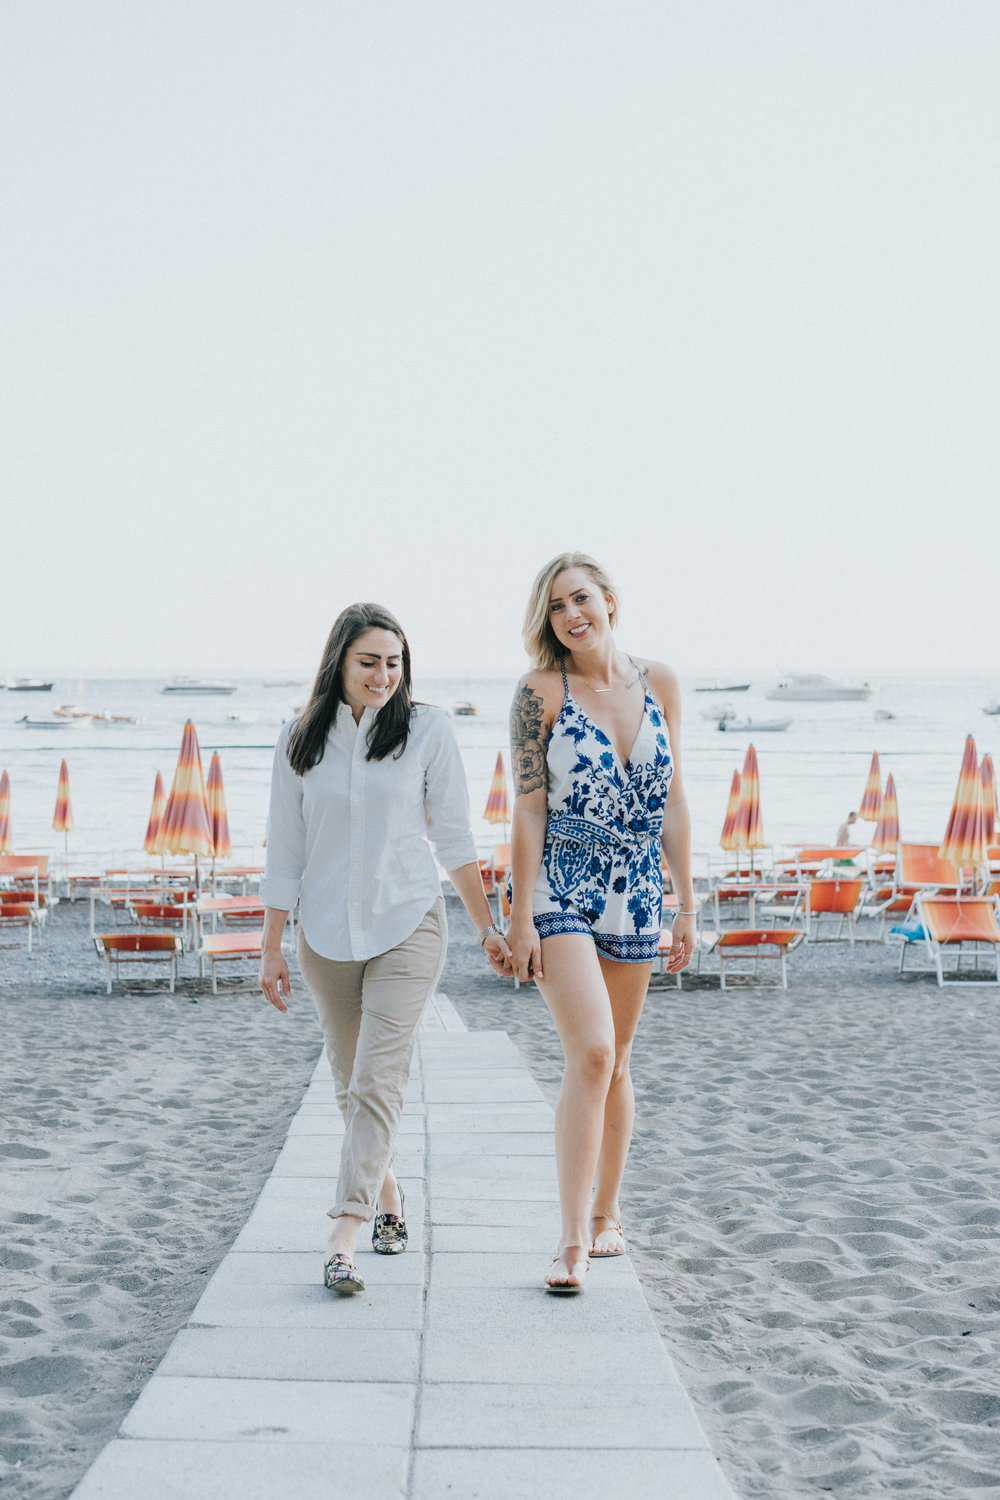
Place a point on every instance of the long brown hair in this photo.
(390, 731)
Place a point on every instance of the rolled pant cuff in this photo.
(364, 1211)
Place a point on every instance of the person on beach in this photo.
(595, 747)
(844, 831)
(361, 781)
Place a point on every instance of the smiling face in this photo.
(371, 671)
(578, 612)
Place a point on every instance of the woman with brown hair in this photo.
(595, 738)
(361, 782)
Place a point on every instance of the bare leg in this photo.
(575, 992)
(627, 985)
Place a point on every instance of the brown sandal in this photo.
(610, 1225)
(568, 1288)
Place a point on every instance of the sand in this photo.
(811, 1202)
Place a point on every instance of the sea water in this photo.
(811, 775)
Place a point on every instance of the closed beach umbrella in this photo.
(187, 827)
(989, 785)
(497, 805)
(749, 832)
(871, 802)
(886, 835)
(6, 842)
(62, 820)
(732, 813)
(154, 828)
(221, 846)
(964, 841)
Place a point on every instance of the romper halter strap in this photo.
(562, 668)
(642, 675)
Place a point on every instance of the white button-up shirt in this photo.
(349, 839)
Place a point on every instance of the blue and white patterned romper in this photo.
(600, 872)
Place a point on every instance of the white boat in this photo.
(198, 685)
(818, 689)
(884, 713)
(80, 723)
(993, 707)
(27, 685)
(725, 711)
(724, 687)
(753, 726)
(465, 710)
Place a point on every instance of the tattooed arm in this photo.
(529, 732)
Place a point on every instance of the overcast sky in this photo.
(307, 302)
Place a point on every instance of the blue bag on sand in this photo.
(912, 931)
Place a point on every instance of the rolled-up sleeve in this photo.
(446, 799)
(286, 833)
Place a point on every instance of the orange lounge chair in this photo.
(920, 868)
(25, 872)
(19, 914)
(138, 948)
(161, 915)
(951, 923)
(754, 943)
(225, 947)
(840, 900)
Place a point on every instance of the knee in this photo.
(595, 1062)
(620, 1070)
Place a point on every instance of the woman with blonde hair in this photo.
(362, 780)
(595, 739)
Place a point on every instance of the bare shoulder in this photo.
(663, 683)
(538, 690)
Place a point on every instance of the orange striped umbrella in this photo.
(6, 840)
(989, 784)
(497, 805)
(732, 813)
(62, 820)
(187, 827)
(221, 846)
(886, 835)
(749, 830)
(154, 827)
(964, 842)
(871, 802)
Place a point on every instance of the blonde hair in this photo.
(539, 638)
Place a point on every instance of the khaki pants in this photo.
(369, 1012)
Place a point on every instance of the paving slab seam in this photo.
(446, 1376)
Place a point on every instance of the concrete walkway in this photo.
(453, 1373)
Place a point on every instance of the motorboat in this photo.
(198, 685)
(819, 689)
(714, 715)
(465, 710)
(290, 682)
(28, 685)
(753, 726)
(235, 717)
(70, 711)
(993, 707)
(75, 723)
(884, 713)
(724, 687)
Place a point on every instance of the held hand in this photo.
(496, 950)
(273, 978)
(526, 952)
(682, 941)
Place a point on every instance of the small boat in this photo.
(197, 685)
(754, 726)
(465, 710)
(291, 682)
(27, 685)
(724, 687)
(29, 723)
(884, 713)
(818, 689)
(993, 707)
(235, 717)
(117, 718)
(70, 711)
(727, 711)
